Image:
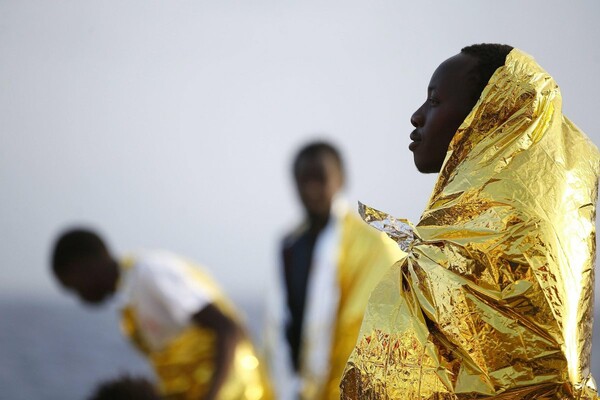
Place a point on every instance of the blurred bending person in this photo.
(329, 265)
(494, 298)
(172, 312)
(126, 388)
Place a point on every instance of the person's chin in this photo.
(421, 166)
(425, 168)
(95, 301)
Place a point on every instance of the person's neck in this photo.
(115, 273)
(316, 223)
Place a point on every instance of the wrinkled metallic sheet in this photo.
(494, 299)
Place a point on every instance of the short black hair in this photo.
(490, 57)
(126, 388)
(76, 244)
(315, 149)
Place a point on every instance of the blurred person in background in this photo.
(329, 265)
(172, 312)
(126, 388)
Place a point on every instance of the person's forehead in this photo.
(319, 162)
(452, 73)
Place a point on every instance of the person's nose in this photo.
(417, 119)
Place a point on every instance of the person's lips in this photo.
(416, 140)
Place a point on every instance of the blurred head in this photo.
(453, 90)
(82, 264)
(126, 388)
(319, 175)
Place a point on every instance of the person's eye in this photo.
(432, 101)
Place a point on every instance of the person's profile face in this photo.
(318, 179)
(88, 279)
(449, 101)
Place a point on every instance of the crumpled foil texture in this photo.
(495, 297)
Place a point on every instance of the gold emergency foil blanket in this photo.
(360, 246)
(186, 365)
(494, 299)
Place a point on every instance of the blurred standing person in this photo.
(172, 312)
(329, 265)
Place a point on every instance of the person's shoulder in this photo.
(354, 226)
(291, 237)
(353, 222)
(153, 262)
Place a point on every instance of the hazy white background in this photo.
(172, 124)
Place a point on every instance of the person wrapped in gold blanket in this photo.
(494, 297)
(172, 311)
(328, 267)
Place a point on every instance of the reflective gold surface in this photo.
(186, 365)
(364, 257)
(494, 299)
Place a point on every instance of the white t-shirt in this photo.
(164, 293)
